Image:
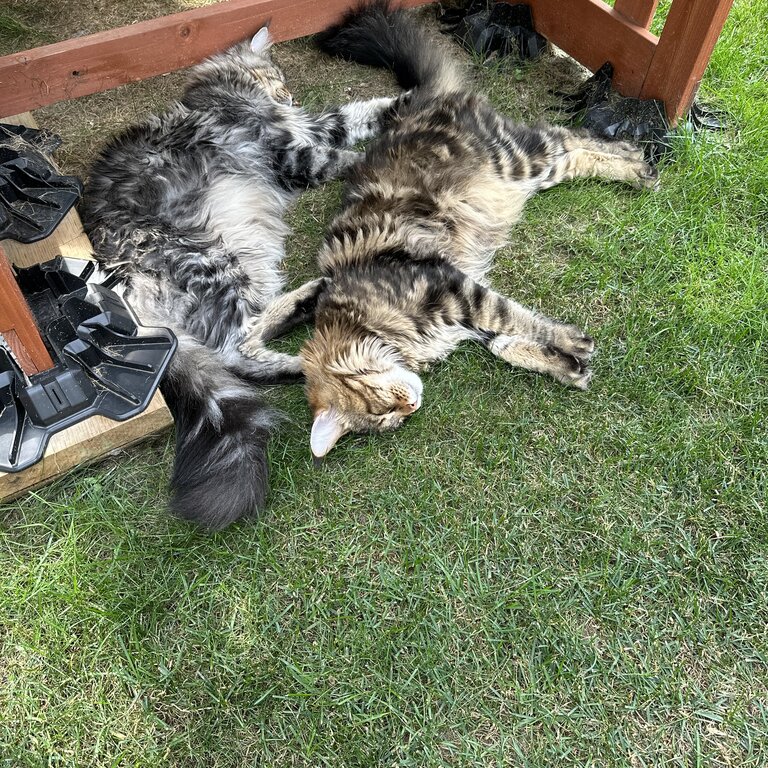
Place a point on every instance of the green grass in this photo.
(524, 575)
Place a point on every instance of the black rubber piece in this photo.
(106, 363)
(597, 107)
(500, 28)
(34, 197)
(704, 118)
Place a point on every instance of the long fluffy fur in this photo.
(222, 430)
(376, 35)
(186, 212)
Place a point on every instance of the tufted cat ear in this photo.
(327, 428)
(260, 41)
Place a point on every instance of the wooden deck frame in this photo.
(668, 68)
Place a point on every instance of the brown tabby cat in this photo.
(425, 211)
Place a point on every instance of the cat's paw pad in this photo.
(646, 176)
(573, 341)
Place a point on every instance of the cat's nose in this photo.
(414, 405)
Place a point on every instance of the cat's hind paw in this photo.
(646, 176)
(569, 369)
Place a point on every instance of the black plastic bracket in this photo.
(34, 197)
(605, 113)
(107, 364)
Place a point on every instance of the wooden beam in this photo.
(87, 441)
(683, 52)
(593, 33)
(640, 12)
(78, 67)
(17, 324)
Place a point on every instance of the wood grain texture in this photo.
(72, 68)
(640, 12)
(593, 33)
(685, 47)
(17, 324)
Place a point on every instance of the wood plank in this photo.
(95, 63)
(17, 324)
(640, 12)
(593, 33)
(20, 351)
(87, 441)
(95, 437)
(685, 47)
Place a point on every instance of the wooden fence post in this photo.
(683, 52)
(17, 325)
(639, 12)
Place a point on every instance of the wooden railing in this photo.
(668, 67)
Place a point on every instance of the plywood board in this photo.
(95, 437)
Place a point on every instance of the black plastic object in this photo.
(34, 197)
(488, 28)
(705, 118)
(106, 363)
(605, 113)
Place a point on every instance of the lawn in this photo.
(524, 575)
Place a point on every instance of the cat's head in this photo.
(360, 385)
(264, 71)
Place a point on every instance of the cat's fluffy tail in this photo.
(379, 35)
(222, 428)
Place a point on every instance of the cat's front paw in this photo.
(573, 341)
(252, 347)
(629, 150)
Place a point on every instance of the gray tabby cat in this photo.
(425, 212)
(186, 212)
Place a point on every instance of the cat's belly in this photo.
(429, 348)
(248, 217)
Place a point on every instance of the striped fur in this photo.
(409, 254)
(186, 212)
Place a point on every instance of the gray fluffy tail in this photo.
(380, 36)
(222, 428)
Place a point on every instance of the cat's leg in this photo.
(310, 166)
(359, 120)
(587, 156)
(526, 339)
(524, 352)
(544, 156)
(318, 149)
(265, 366)
(282, 314)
